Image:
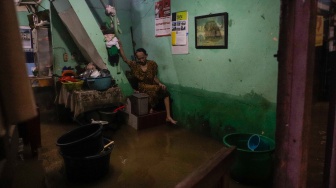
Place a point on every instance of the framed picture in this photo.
(211, 31)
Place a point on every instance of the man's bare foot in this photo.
(170, 120)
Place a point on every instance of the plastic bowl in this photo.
(100, 84)
(71, 86)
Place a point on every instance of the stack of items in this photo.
(138, 113)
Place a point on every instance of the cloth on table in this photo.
(85, 100)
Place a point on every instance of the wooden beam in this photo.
(330, 155)
(296, 58)
(211, 173)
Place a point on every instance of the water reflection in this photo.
(157, 157)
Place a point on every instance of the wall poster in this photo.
(26, 37)
(162, 18)
(179, 32)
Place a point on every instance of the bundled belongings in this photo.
(97, 80)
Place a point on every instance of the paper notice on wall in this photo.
(179, 32)
(319, 31)
(179, 38)
(162, 18)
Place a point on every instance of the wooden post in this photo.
(329, 179)
(296, 58)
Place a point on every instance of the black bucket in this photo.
(83, 141)
(111, 116)
(88, 168)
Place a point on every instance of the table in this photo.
(85, 100)
(41, 81)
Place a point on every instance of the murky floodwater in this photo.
(156, 157)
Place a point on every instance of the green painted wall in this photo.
(62, 41)
(62, 38)
(22, 18)
(214, 91)
(93, 28)
(218, 91)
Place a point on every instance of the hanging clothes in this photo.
(112, 47)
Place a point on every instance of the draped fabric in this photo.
(86, 100)
(17, 102)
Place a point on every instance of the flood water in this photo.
(156, 157)
(160, 156)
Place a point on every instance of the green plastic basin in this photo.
(251, 167)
